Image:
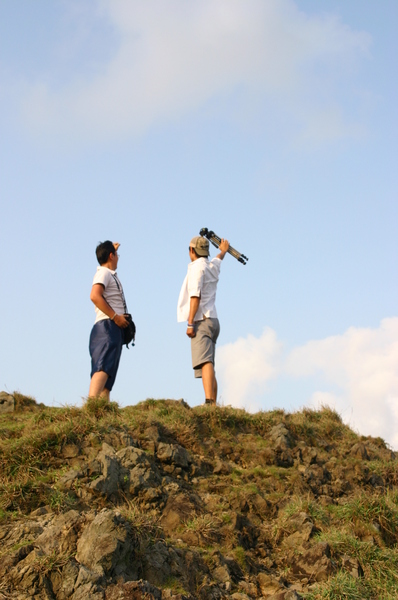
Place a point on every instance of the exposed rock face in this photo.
(303, 529)
(180, 508)
(106, 546)
(173, 454)
(315, 563)
(110, 473)
(6, 403)
(61, 535)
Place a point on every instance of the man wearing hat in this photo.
(196, 304)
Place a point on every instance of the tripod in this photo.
(216, 241)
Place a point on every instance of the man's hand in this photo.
(116, 245)
(224, 245)
(121, 321)
(191, 332)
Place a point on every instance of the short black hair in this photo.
(103, 250)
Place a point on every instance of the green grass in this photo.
(318, 513)
(375, 510)
(240, 557)
(342, 586)
(380, 565)
(174, 584)
(99, 407)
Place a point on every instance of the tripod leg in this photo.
(217, 241)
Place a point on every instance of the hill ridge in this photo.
(160, 500)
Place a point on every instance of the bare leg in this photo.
(209, 381)
(105, 394)
(97, 385)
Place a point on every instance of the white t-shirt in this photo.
(112, 294)
(201, 280)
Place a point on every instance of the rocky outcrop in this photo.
(128, 471)
(6, 403)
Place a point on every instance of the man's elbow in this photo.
(94, 297)
(96, 293)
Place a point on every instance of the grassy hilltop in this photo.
(160, 500)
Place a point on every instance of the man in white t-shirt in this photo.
(196, 304)
(106, 338)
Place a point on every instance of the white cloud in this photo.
(361, 364)
(175, 56)
(245, 367)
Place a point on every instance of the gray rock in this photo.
(88, 592)
(173, 453)
(157, 567)
(63, 582)
(268, 584)
(126, 439)
(130, 457)
(283, 457)
(352, 565)
(67, 480)
(25, 574)
(108, 543)
(86, 575)
(142, 477)
(7, 403)
(43, 510)
(135, 472)
(108, 482)
(303, 528)
(298, 538)
(359, 451)
(70, 451)
(222, 468)
(247, 532)
(179, 509)
(315, 563)
(133, 590)
(152, 433)
(61, 534)
(281, 437)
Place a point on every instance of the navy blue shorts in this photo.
(106, 342)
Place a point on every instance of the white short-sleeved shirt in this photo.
(201, 280)
(112, 294)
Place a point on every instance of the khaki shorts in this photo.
(203, 345)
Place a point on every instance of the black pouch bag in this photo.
(129, 331)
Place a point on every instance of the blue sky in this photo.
(272, 122)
